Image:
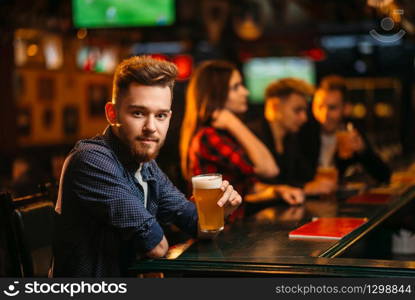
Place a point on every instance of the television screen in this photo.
(101, 60)
(261, 71)
(125, 13)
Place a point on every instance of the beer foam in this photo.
(207, 182)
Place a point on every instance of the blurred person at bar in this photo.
(215, 140)
(330, 139)
(285, 112)
(112, 195)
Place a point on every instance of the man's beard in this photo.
(141, 153)
(138, 151)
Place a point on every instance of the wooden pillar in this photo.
(8, 128)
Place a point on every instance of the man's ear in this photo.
(111, 113)
(272, 107)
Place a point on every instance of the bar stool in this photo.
(27, 224)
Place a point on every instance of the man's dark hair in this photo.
(143, 70)
(334, 83)
(283, 88)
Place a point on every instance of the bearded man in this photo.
(112, 195)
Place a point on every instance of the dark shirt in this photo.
(310, 138)
(217, 151)
(103, 223)
(294, 168)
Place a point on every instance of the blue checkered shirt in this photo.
(103, 222)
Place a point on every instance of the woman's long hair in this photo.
(207, 91)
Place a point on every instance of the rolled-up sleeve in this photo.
(173, 207)
(95, 180)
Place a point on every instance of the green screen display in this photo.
(259, 72)
(122, 13)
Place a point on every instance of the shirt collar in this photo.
(146, 172)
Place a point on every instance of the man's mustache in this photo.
(148, 138)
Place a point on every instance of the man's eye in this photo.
(299, 110)
(162, 116)
(138, 114)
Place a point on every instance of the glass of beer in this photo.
(343, 142)
(327, 173)
(207, 192)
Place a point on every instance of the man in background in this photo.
(320, 137)
(285, 113)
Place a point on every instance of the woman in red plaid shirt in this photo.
(214, 139)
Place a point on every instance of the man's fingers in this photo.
(226, 195)
(224, 185)
(296, 198)
(288, 197)
(232, 203)
(293, 196)
(235, 199)
(299, 196)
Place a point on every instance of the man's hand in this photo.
(160, 250)
(349, 143)
(230, 199)
(289, 194)
(356, 142)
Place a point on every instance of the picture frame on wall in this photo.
(46, 88)
(19, 86)
(24, 121)
(97, 94)
(47, 118)
(70, 118)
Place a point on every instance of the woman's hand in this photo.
(223, 119)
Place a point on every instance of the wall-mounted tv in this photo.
(261, 71)
(125, 13)
(96, 59)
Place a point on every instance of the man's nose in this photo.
(304, 117)
(150, 124)
(326, 114)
